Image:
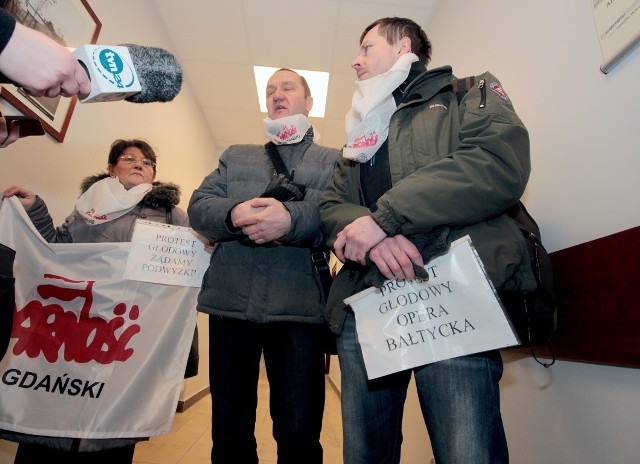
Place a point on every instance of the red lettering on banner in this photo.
(46, 328)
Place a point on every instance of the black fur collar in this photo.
(161, 196)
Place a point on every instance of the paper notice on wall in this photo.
(618, 26)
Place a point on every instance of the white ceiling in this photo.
(217, 43)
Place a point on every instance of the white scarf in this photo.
(286, 130)
(107, 200)
(367, 121)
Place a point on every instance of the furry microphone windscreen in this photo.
(159, 73)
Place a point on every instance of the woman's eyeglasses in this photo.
(130, 159)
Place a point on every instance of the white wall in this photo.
(584, 185)
(177, 131)
(583, 124)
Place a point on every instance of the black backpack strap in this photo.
(278, 164)
(320, 261)
(461, 86)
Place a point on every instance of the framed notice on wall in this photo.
(618, 27)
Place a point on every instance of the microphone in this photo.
(159, 72)
(130, 72)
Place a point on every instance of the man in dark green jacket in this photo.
(417, 169)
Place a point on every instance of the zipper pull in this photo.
(483, 94)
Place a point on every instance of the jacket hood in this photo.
(162, 195)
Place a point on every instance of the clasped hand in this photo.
(262, 220)
(394, 256)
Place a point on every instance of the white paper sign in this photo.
(410, 323)
(166, 254)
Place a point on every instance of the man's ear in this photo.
(309, 104)
(405, 46)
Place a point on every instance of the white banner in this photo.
(92, 355)
(410, 323)
(166, 254)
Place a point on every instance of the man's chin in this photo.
(280, 114)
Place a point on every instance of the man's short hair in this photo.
(394, 29)
(305, 84)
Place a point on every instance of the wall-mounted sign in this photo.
(618, 27)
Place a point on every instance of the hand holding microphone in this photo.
(95, 73)
(41, 66)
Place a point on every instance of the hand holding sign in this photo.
(409, 323)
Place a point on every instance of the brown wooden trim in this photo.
(185, 404)
(597, 287)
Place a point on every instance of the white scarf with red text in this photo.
(286, 130)
(108, 199)
(367, 121)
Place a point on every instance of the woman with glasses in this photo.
(111, 201)
(106, 211)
